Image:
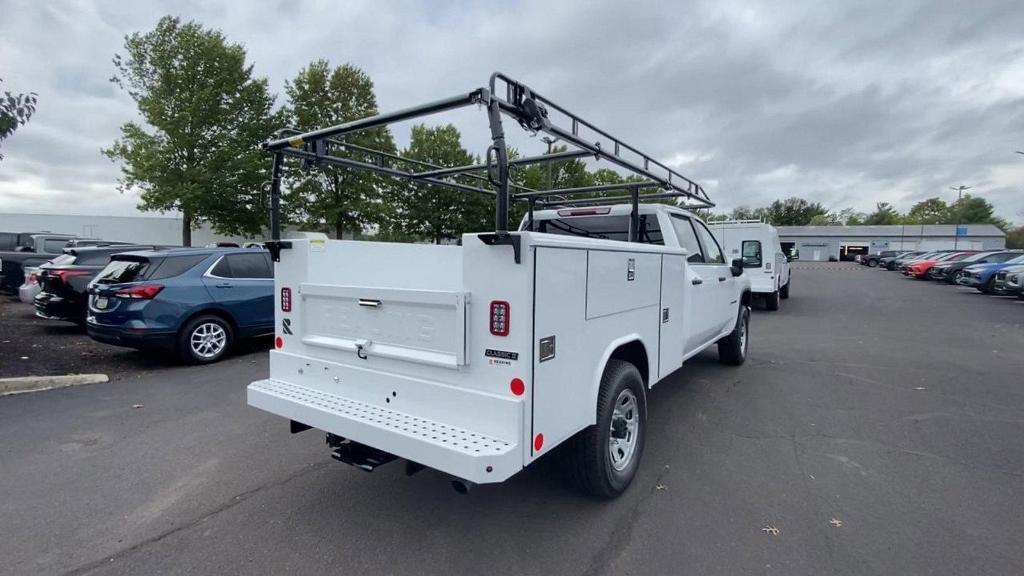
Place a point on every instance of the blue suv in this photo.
(983, 276)
(196, 302)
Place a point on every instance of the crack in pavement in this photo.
(234, 501)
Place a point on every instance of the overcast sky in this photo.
(843, 103)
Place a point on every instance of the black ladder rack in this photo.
(534, 113)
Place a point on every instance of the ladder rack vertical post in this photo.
(529, 220)
(634, 214)
(275, 197)
(498, 174)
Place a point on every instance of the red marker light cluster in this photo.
(499, 317)
(140, 292)
(286, 299)
(279, 342)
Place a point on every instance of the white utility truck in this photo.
(477, 359)
(757, 244)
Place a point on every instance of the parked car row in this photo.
(194, 302)
(999, 272)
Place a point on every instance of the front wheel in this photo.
(606, 455)
(955, 278)
(872, 263)
(204, 339)
(732, 349)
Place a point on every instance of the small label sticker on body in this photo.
(501, 354)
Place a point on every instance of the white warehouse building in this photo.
(164, 230)
(823, 243)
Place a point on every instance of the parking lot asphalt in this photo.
(875, 429)
(33, 346)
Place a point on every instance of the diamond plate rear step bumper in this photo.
(462, 453)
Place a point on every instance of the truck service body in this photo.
(757, 244)
(476, 359)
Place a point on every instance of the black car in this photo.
(63, 280)
(890, 262)
(872, 260)
(951, 272)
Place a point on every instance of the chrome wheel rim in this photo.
(208, 340)
(624, 430)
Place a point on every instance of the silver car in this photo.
(30, 287)
(1012, 281)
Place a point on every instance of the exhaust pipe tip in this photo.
(462, 486)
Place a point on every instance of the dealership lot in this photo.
(875, 429)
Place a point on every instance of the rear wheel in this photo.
(205, 339)
(606, 456)
(732, 349)
(872, 263)
(784, 291)
(771, 301)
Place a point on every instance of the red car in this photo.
(920, 268)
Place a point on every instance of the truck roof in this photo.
(607, 210)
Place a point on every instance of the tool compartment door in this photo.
(421, 326)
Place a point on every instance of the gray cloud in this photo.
(846, 104)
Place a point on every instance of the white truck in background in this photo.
(477, 359)
(757, 244)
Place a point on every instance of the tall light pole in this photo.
(549, 141)
(959, 212)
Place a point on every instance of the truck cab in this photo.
(757, 244)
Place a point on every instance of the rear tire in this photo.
(872, 263)
(771, 301)
(784, 291)
(732, 350)
(204, 340)
(601, 462)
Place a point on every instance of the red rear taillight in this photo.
(141, 292)
(286, 299)
(499, 317)
(65, 275)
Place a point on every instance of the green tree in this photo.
(437, 212)
(974, 210)
(15, 111)
(822, 220)
(204, 115)
(930, 211)
(850, 217)
(746, 213)
(884, 214)
(793, 212)
(335, 198)
(1015, 237)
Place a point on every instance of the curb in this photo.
(26, 384)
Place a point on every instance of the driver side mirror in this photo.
(736, 267)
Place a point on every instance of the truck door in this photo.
(701, 283)
(725, 300)
(244, 284)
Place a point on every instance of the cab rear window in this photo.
(604, 227)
